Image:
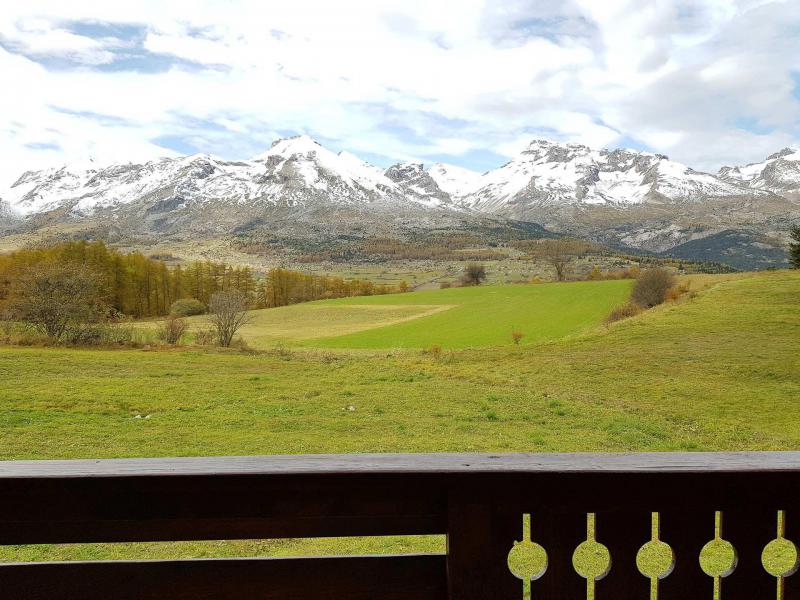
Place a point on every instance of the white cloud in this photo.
(707, 82)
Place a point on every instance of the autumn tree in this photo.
(474, 274)
(52, 297)
(228, 313)
(651, 287)
(794, 246)
(558, 253)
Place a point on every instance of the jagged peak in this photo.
(286, 147)
(787, 152)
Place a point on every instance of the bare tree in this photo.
(559, 252)
(474, 274)
(53, 297)
(228, 314)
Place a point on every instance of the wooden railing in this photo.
(476, 500)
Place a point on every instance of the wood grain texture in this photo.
(559, 534)
(686, 532)
(481, 531)
(749, 531)
(352, 578)
(477, 500)
(623, 533)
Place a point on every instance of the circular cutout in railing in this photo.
(718, 558)
(780, 558)
(591, 560)
(527, 560)
(655, 559)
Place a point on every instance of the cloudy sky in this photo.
(708, 82)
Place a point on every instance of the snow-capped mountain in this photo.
(299, 188)
(779, 173)
(549, 174)
(294, 171)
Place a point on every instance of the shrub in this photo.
(99, 335)
(172, 329)
(624, 311)
(82, 335)
(516, 337)
(651, 287)
(474, 274)
(228, 314)
(187, 307)
(204, 337)
(435, 351)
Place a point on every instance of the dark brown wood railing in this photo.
(476, 500)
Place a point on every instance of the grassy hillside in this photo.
(718, 372)
(452, 318)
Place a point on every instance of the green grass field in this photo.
(486, 316)
(716, 372)
(469, 317)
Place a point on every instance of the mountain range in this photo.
(298, 189)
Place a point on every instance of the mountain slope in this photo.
(779, 173)
(299, 189)
(548, 174)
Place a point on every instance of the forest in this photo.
(139, 286)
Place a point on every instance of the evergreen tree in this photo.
(794, 246)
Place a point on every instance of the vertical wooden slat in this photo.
(559, 534)
(749, 531)
(480, 534)
(686, 532)
(623, 533)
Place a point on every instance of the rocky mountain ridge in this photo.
(299, 188)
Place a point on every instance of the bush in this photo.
(99, 335)
(205, 337)
(516, 337)
(82, 335)
(172, 329)
(623, 312)
(228, 314)
(435, 351)
(474, 274)
(187, 307)
(651, 287)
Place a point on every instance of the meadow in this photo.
(713, 371)
(466, 317)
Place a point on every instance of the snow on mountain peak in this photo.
(456, 181)
(778, 173)
(298, 170)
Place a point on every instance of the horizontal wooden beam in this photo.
(440, 463)
(333, 496)
(410, 577)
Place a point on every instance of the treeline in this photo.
(442, 249)
(139, 286)
(283, 287)
(131, 284)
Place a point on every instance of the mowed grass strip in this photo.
(293, 324)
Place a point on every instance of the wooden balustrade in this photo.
(478, 501)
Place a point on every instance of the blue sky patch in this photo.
(43, 146)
